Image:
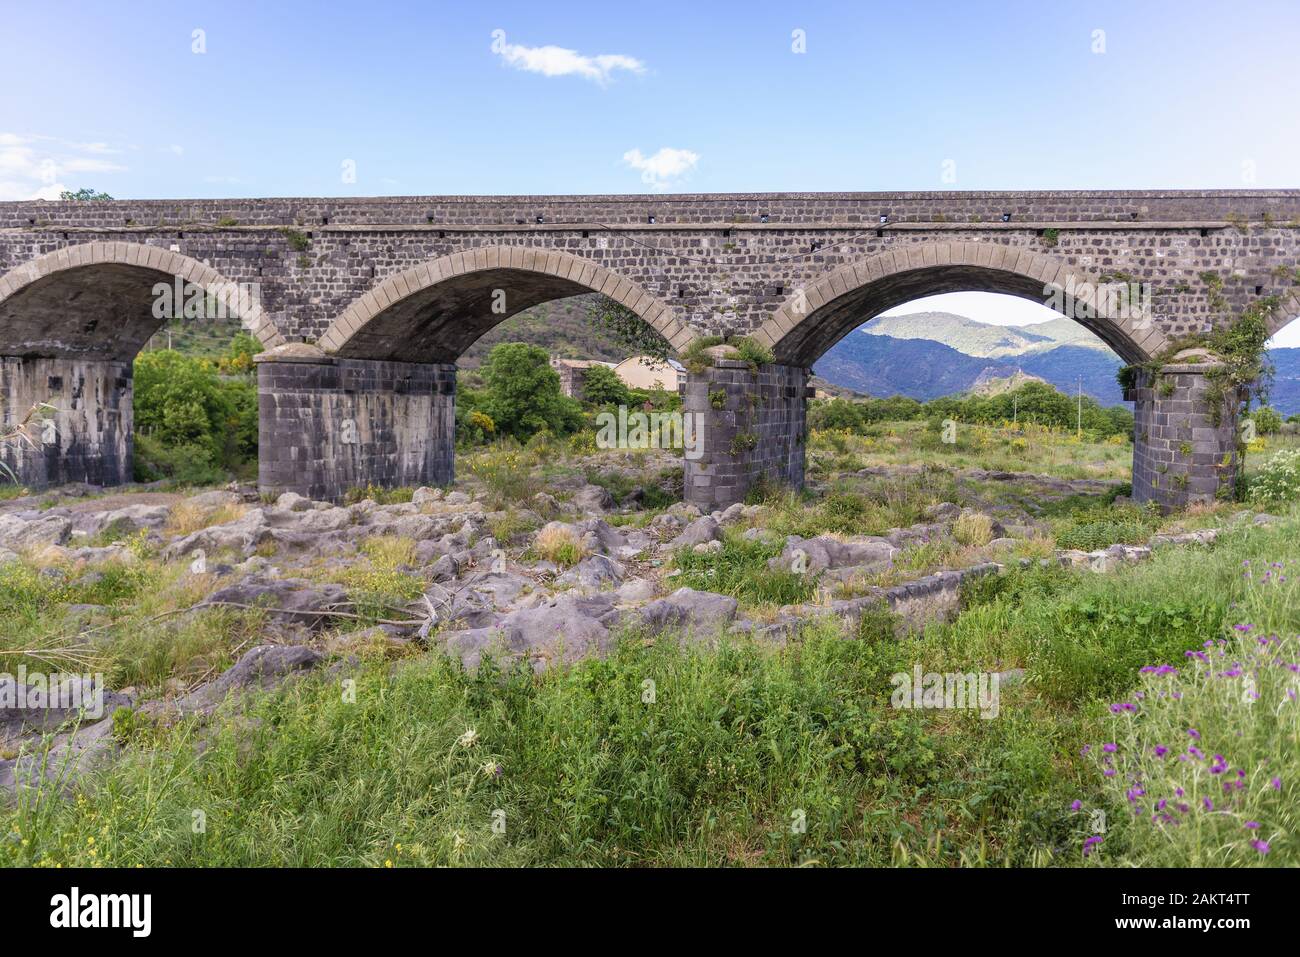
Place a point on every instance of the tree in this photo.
(190, 423)
(83, 195)
(1267, 420)
(523, 395)
(238, 358)
(601, 386)
(628, 329)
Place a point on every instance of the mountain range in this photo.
(926, 355)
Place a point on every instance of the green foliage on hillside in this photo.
(1034, 402)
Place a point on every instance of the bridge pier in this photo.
(750, 427)
(1185, 434)
(326, 425)
(89, 436)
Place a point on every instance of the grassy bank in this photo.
(667, 754)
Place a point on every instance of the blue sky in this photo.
(417, 98)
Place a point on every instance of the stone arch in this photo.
(815, 318)
(433, 311)
(95, 300)
(1286, 314)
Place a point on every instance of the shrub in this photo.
(1197, 758)
(1278, 480)
(973, 528)
(1267, 421)
(559, 544)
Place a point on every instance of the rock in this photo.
(545, 504)
(378, 638)
(732, 513)
(707, 548)
(426, 496)
(684, 510)
(129, 520)
(593, 572)
(668, 522)
(293, 601)
(7, 556)
(33, 710)
(943, 512)
(593, 500)
(293, 502)
(1000, 543)
(563, 630)
(242, 535)
(690, 609)
(457, 498)
(823, 552)
(1103, 562)
(17, 533)
(214, 499)
(703, 529)
(264, 667)
(448, 566)
(635, 589)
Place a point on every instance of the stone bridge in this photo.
(364, 306)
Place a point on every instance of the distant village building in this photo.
(637, 372)
(573, 372)
(647, 372)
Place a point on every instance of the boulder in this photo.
(264, 667)
(593, 572)
(563, 630)
(593, 500)
(689, 609)
(823, 552)
(293, 502)
(18, 533)
(703, 529)
(290, 601)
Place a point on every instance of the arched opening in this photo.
(391, 359)
(434, 311)
(72, 322)
(1280, 424)
(816, 317)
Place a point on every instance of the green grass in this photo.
(736, 746)
(740, 570)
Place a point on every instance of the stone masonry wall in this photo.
(1180, 455)
(721, 263)
(754, 426)
(91, 438)
(330, 425)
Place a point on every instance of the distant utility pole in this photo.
(1079, 426)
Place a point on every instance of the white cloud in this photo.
(175, 148)
(558, 61)
(662, 169)
(34, 167)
